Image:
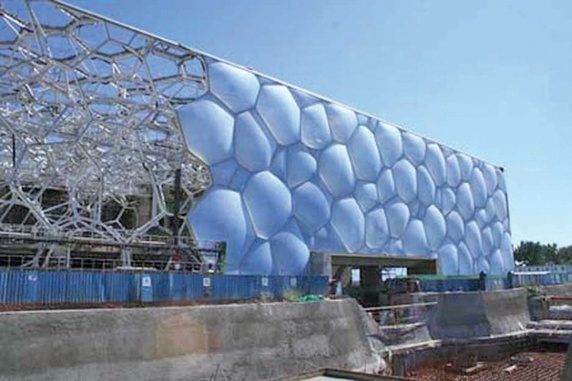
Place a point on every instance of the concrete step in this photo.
(552, 335)
(563, 312)
(399, 334)
(401, 327)
(407, 347)
(415, 314)
(560, 325)
(551, 330)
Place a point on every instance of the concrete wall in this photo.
(236, 342)
(538, 304)
(556, 290)
(461, 315)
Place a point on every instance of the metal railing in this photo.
(399, 314)
(550, 268)
(38, 247)
(27, 233)
(538, 278)
(149, 263)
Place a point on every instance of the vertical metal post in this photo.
(13, 151)
(482, 281)
(68, 256)
(126, 255)
(175, 224)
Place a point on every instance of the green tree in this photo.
(534, 253)
(564, 255)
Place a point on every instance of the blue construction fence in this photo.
(484, 282)
(52, 287)
(441, 283)
(538, 278)
(560, 269)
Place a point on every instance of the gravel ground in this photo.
(545, 366)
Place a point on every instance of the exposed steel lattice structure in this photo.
(88, 132)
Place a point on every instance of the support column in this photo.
(369, 284)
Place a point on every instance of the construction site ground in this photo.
(536, 364)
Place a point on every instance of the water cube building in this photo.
(97, 120)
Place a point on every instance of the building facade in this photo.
(118, 135)
(295, 173)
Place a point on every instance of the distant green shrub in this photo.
(292, 295)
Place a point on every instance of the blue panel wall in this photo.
(451, 284)
(243, 287)
(295, 173)
(37, 287)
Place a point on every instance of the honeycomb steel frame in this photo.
(88, 129)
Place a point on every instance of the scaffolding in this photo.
(90, 145)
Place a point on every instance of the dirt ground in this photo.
(530, 366)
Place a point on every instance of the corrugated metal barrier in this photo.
(54, 287)
(450, 284)
(439, 283)
(538, 278)
(564, 269)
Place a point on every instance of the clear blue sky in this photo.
(492, 78)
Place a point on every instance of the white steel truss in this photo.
(88, 129)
